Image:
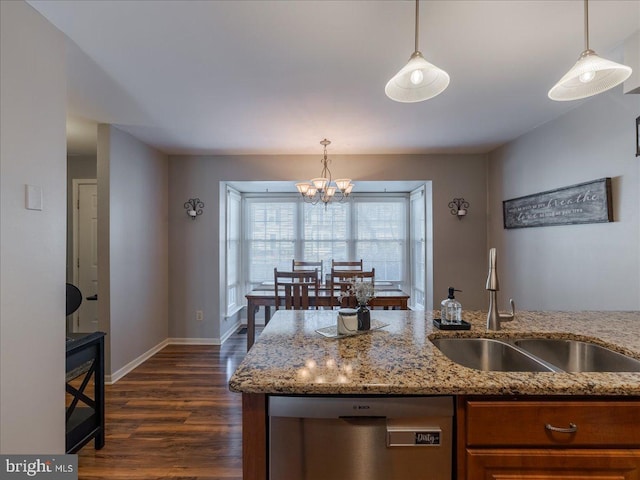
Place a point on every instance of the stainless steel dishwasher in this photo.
(358, 438)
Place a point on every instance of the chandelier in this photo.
(321, 189)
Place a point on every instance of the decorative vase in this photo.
(364, 317)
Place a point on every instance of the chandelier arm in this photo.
(326, 172)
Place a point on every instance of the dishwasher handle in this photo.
(360, 406)
(363, 420)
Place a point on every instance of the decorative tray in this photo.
(451, 326)
(332, 331)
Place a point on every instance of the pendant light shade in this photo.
(590, 75)
(418, 80)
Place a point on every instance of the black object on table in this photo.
(85, 415)
(451, 326)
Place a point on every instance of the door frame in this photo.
(75, 198)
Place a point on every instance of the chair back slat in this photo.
(301, 266)
(292, 288)
(296, 296)
(342, 279)
(340, 265)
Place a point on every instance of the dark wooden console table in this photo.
(85, 415)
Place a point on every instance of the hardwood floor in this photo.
(173, 418)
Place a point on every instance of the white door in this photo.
(86, 253)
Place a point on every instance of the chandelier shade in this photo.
(418, 80)
(590, 75)
(323, 189)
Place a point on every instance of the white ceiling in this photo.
(275, 77)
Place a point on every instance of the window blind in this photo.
(372, 228)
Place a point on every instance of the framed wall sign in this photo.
(588, 202)
(638, 137)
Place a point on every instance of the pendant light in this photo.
(590, 75)
(418, 80)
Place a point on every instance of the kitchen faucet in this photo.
(495, 319)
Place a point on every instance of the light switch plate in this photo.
(33, 197)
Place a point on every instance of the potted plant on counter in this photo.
(363, 293)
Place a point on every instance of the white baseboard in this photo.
(231, 331)
(114, 377)
(204, 341)
(194, 341)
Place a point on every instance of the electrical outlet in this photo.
(199, 315)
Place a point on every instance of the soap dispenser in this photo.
(451, 309)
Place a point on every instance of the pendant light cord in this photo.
(417, 17)
(586, 25)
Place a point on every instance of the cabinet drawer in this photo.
(547, 464)
(531, 423)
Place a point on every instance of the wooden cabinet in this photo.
(546, 439)
(539, 464)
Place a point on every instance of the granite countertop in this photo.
(289, 357)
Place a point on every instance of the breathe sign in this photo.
(588, 202)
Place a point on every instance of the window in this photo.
(279, 229)
(326, 233)
(418, 248)
(271, 234)
(380, 236)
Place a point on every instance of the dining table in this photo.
(388, 296)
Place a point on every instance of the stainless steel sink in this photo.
(534, 355)
(576, 356)
(488, 355)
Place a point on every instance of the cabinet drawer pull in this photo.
(573, 428)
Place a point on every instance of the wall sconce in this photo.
(194, 207)
(459, 207)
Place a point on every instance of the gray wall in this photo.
(573, 267)
(32, 257)
(132, 241)
(80, 167)
(459, 246)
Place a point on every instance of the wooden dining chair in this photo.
(357, 265)
(293, 288)
(342, 279)
(302, 266)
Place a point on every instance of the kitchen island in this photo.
(290, 358)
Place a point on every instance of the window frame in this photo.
(232, 307)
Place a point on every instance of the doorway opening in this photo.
(85, 253)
